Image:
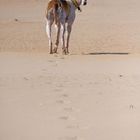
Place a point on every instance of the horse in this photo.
(62, 13)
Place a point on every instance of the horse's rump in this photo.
(55, 4)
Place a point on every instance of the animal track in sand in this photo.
(60, 101)
(57, 90)
(69, 109)
(120, 76)
(69, 138)
(64, 118)
(131, 106)
(44, 69)
(16, 20)
(51, 61)
(74, 126)
(25, 78)
(65, 95)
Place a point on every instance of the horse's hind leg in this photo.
(48, 31)
(69, 28)
(63, 29)
(57, 37)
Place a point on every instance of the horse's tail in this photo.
(55, 12)
(52, 9)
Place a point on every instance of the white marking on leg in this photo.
(63, 36)
(48, 31)
(57, 37)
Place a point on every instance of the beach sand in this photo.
(91, 94)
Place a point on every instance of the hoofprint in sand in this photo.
(69, 97)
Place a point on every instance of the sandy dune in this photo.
(91, 94)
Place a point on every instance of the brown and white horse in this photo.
(62, 13)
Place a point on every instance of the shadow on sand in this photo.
(107, 53)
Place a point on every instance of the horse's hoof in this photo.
(64, 51)
(55, 50)
(67, 51)
(51, 52)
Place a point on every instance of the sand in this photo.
(93, 93)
